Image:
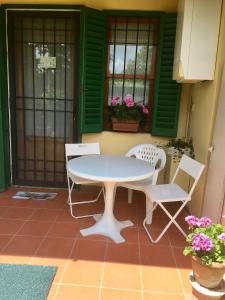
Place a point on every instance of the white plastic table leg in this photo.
(149, 210)
(107, 224)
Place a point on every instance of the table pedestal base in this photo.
(107, 227)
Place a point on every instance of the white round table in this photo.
(109, 169)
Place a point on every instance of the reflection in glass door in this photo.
(42, 59)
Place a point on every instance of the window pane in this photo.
(132, 46)
(125, 87)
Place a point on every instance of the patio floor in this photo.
(94, 268)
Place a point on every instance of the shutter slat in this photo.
(93, 49)
(166, 104)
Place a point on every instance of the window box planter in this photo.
(127, 126)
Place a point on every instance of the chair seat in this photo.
(166, 193)
(137, 185)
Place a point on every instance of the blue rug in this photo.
(25, 282)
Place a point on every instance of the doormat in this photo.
(23, 282)
(34, 195)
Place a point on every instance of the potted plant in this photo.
(206, 245)
(178, 147)
(126, 114)
(174, 149)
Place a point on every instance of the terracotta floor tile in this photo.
(183, 262)
(22, 203)
(184, 267)
(109, 294)
(85, 272)
(55, 248)
(130, 234)
(45, 215)
(10, 226)
(123, 253)
(64, 229)
(35, 228)
(159, 256)
(153, 296)
(65, 216)
(161, 279)
(158, 223)
(18, 213)
(79, 293)
(177, 239)
(22, 246)
(3, 210)
(48, 204)
(4, 201)
(4, 239)
(89, 250)
(144, 239)
(122, 276)
(15, 259)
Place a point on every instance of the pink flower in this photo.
(145, 110)
(221, 237)
(201, 242)
(204, 222)
(192, 220)
(115, 100)
(128, 100)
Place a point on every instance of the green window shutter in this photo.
(4, 128)
(92, 54)
(167, 91)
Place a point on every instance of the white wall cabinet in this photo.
(196, 40)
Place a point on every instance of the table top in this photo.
(110, 168)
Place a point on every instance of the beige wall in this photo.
(204, 96)
(159, 5)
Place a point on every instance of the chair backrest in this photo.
(150, 153)
(81, 149)
(192, 167)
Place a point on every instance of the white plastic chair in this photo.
(164, 193)
(154, 156)
(72, 150)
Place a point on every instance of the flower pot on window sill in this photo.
(126, 125)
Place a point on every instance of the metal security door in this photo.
(42, 58)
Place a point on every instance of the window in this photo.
(131, 62)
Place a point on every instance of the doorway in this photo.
(43, 52)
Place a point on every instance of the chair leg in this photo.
(84, 202)
(69, 201)
(130, 196)
(149, 210)
(172, 221)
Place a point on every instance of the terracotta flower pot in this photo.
(128, 125)
(207, 276)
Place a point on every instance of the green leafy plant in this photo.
(206, 240)
(127, 109)
(180, 146)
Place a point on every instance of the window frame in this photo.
(152, 76)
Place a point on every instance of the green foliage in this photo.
(124, 113)
(181, 146)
